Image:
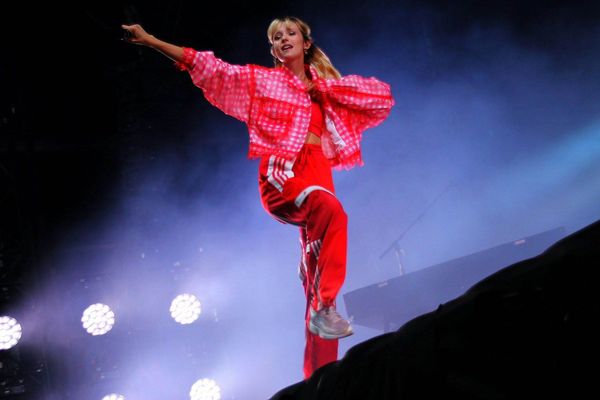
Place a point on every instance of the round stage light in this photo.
(205, 389)
(185, 308)
(114, 396)
(10, 332)
(98, 319)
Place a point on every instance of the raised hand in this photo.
(136, 34)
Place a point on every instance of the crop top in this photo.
(316, 119)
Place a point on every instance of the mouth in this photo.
(286, 47)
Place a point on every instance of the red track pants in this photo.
(301, 192)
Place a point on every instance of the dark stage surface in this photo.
(524, 332)
(121, 185)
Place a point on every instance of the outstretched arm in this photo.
(137, 35)
(225, 86)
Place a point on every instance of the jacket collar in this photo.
(296, 82)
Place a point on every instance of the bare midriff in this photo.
(312, 138)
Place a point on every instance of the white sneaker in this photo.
(328, 324)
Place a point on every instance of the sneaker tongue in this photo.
(330, 311)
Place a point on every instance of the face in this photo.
(288, 43)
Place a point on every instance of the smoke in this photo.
(494, 136)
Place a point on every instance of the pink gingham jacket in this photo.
(276, 106)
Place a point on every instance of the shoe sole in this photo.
(328, 336)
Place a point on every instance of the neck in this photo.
(297, 68)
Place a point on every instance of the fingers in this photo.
(132, 28)
(131, 32)
(127, 34)
(134, 33)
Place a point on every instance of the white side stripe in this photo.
(315, 246)
(303, 194)
(279, 171)
(316, 286)
(270, 178)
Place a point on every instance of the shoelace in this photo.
(334, 314)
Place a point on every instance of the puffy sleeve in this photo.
(225, 86)
(366, 101)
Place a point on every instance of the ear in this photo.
(273, 53)
(307, 45)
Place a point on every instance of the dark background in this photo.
(81, 110)
(89, 124)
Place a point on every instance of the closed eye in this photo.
(279, 35)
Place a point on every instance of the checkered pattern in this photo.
(276, 106)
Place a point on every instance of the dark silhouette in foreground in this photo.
(525, 331)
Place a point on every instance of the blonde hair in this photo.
(313, 56)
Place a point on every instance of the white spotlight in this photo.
(114, 396)
(185, 308)
(205, 389)
(10, 332)
(98, 319)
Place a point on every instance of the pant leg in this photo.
(317, 351)
(326, 237)
(323, 228)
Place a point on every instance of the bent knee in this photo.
(329, 203)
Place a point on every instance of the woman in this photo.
(303, 119)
